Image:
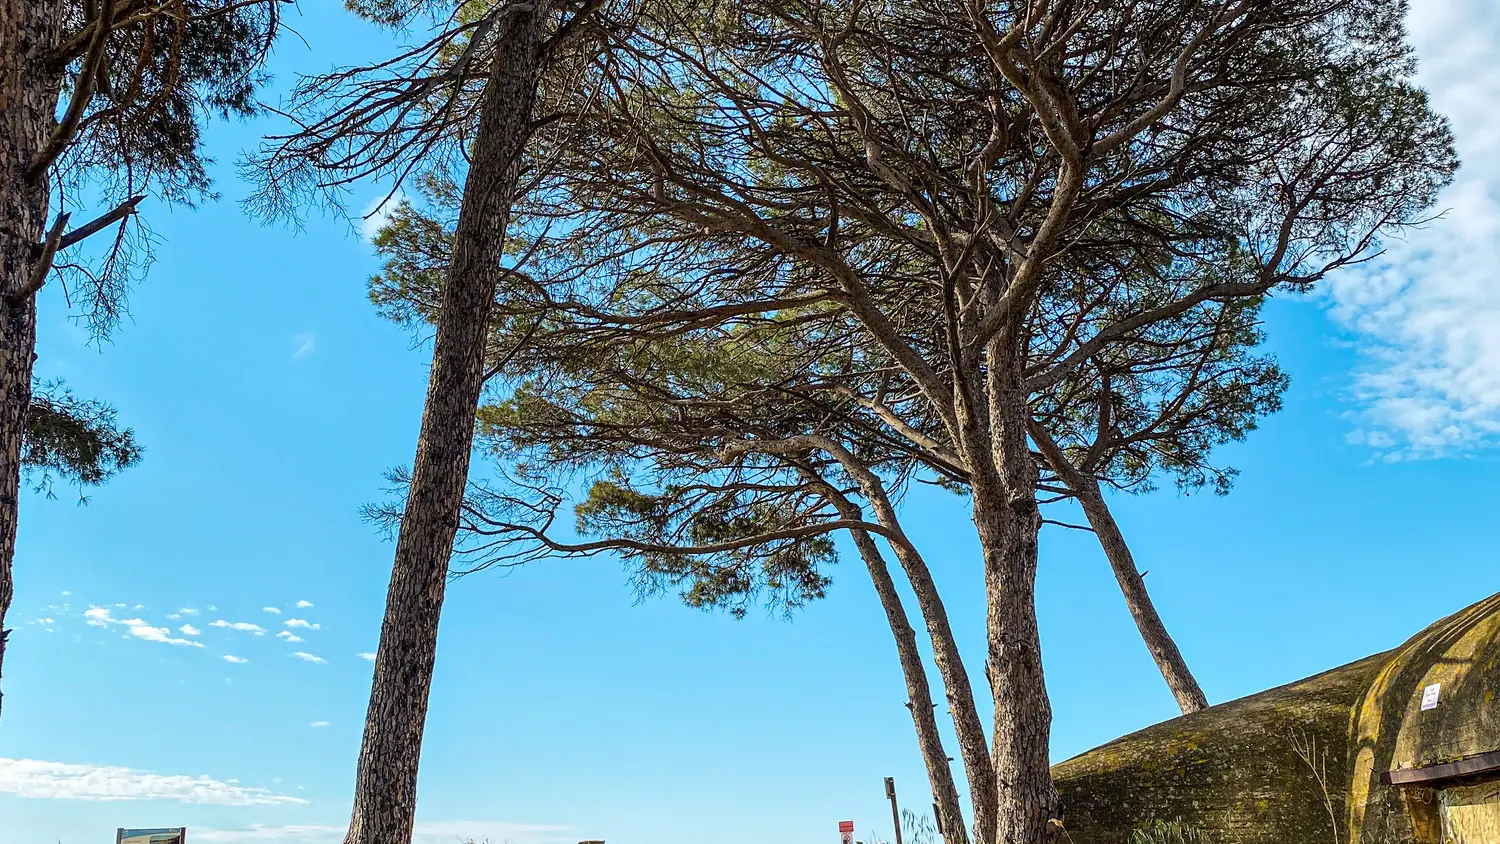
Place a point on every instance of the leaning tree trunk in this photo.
(29, 88)
(950, 815)
(919, 694)
(1169, 661)
(385, 790)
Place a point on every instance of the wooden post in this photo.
(890, 791)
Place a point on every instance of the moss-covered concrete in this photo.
(1301, 764)
(1390, 730)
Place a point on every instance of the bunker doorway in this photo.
(1470, 814)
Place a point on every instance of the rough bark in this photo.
(945, 653)
(29, 87)
(385, 790)
(1007, 521)
(1169, 661)
(918, 690)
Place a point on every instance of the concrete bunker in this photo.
(1399, 748)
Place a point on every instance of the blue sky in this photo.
(270, 398)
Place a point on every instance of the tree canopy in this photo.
(795, 256)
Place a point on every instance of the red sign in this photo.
(846, 826)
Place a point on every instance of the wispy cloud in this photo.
(242, 626)
(366, 655)
(64, 781)
(304, 655)
(377, 213)
(289, 636)
(302, 623)
(304, 344)
(271, 610)
(424, 832)
(189, 630)
(302, 605)
(236, 660)
(1427, 315)
(318, 724)
(188, 611)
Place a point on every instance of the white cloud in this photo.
(64, 781)
(211, 608)
(1427, 315)
(304, 655)
(235, 660)
(424, 832)
(66, 593)
(174, 616)
(189, 630)
(318, 724)
(142, 630)
(366, 655)
(303, 623)
(302, 605)
(242, 626)
(271, 610)
(305, 344)
(377, 214)
(135, 627)
(289, 636)
(189, 611)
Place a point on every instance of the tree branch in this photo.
(83, 92)
(100, 223)
(43, 265)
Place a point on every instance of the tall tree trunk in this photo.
(385, 790)
(1007, 522)
(945, 653)
(29, 89)
(1169, 661)
(1168, 658)
(918, 690)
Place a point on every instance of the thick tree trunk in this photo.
(1169, 661)
(1007, 522)
(385, 790)
(29, 89)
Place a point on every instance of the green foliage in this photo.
(163, 76)
(785, 574)
(712, 256)
(74, 440)
(169, 72)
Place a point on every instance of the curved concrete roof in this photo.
(1302, 763)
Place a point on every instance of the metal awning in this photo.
(1484, 763)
